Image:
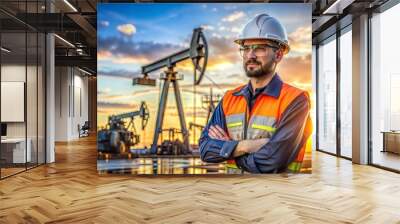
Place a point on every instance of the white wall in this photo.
(61, 103)
(16, 73)
(80, 110)
(71, 102)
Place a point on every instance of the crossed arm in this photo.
(243, 147)
(215, 144)
(257, 155)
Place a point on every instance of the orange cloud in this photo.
(127, 29)
(297, 71)
(103, 55)
(234, 16)
(300, 40)
(218, 62)
(301, 34)
(133, 95)
(122, 59)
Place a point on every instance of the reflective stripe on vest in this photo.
(234, 123)
(258, 127)
(296, 165)
(261, 127)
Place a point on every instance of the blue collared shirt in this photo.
(280, 150)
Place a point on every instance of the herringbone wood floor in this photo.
(70, 191)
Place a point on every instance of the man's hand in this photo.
(249, 146)
(243, 147)
(217, 132)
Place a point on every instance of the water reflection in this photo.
(161, 166)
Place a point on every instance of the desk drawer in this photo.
(392, 142)
(6, 153)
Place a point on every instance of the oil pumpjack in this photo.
(198, 54)
(117, 136)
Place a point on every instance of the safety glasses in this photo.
(259, 50)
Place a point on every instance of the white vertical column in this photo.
(50, 99)
(50, 93)
(360, 90)
(314, 96)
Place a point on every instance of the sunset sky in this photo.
(133, 35)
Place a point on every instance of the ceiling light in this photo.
(5, 50)
(79, 51)
(86, 72)
(326, 11)
(337, 7)
(64, 40)
(70, 5)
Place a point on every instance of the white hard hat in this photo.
(265, 27)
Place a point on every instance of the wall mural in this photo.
(204, 88)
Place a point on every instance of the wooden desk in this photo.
(391, 141)
(16, 147)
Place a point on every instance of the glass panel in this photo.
(23, 87)
(31, 98)
(32, 85)
(385, 86)
(346, 94)
(13, 87)
(327, 96)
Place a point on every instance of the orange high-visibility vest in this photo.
(262, 120)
